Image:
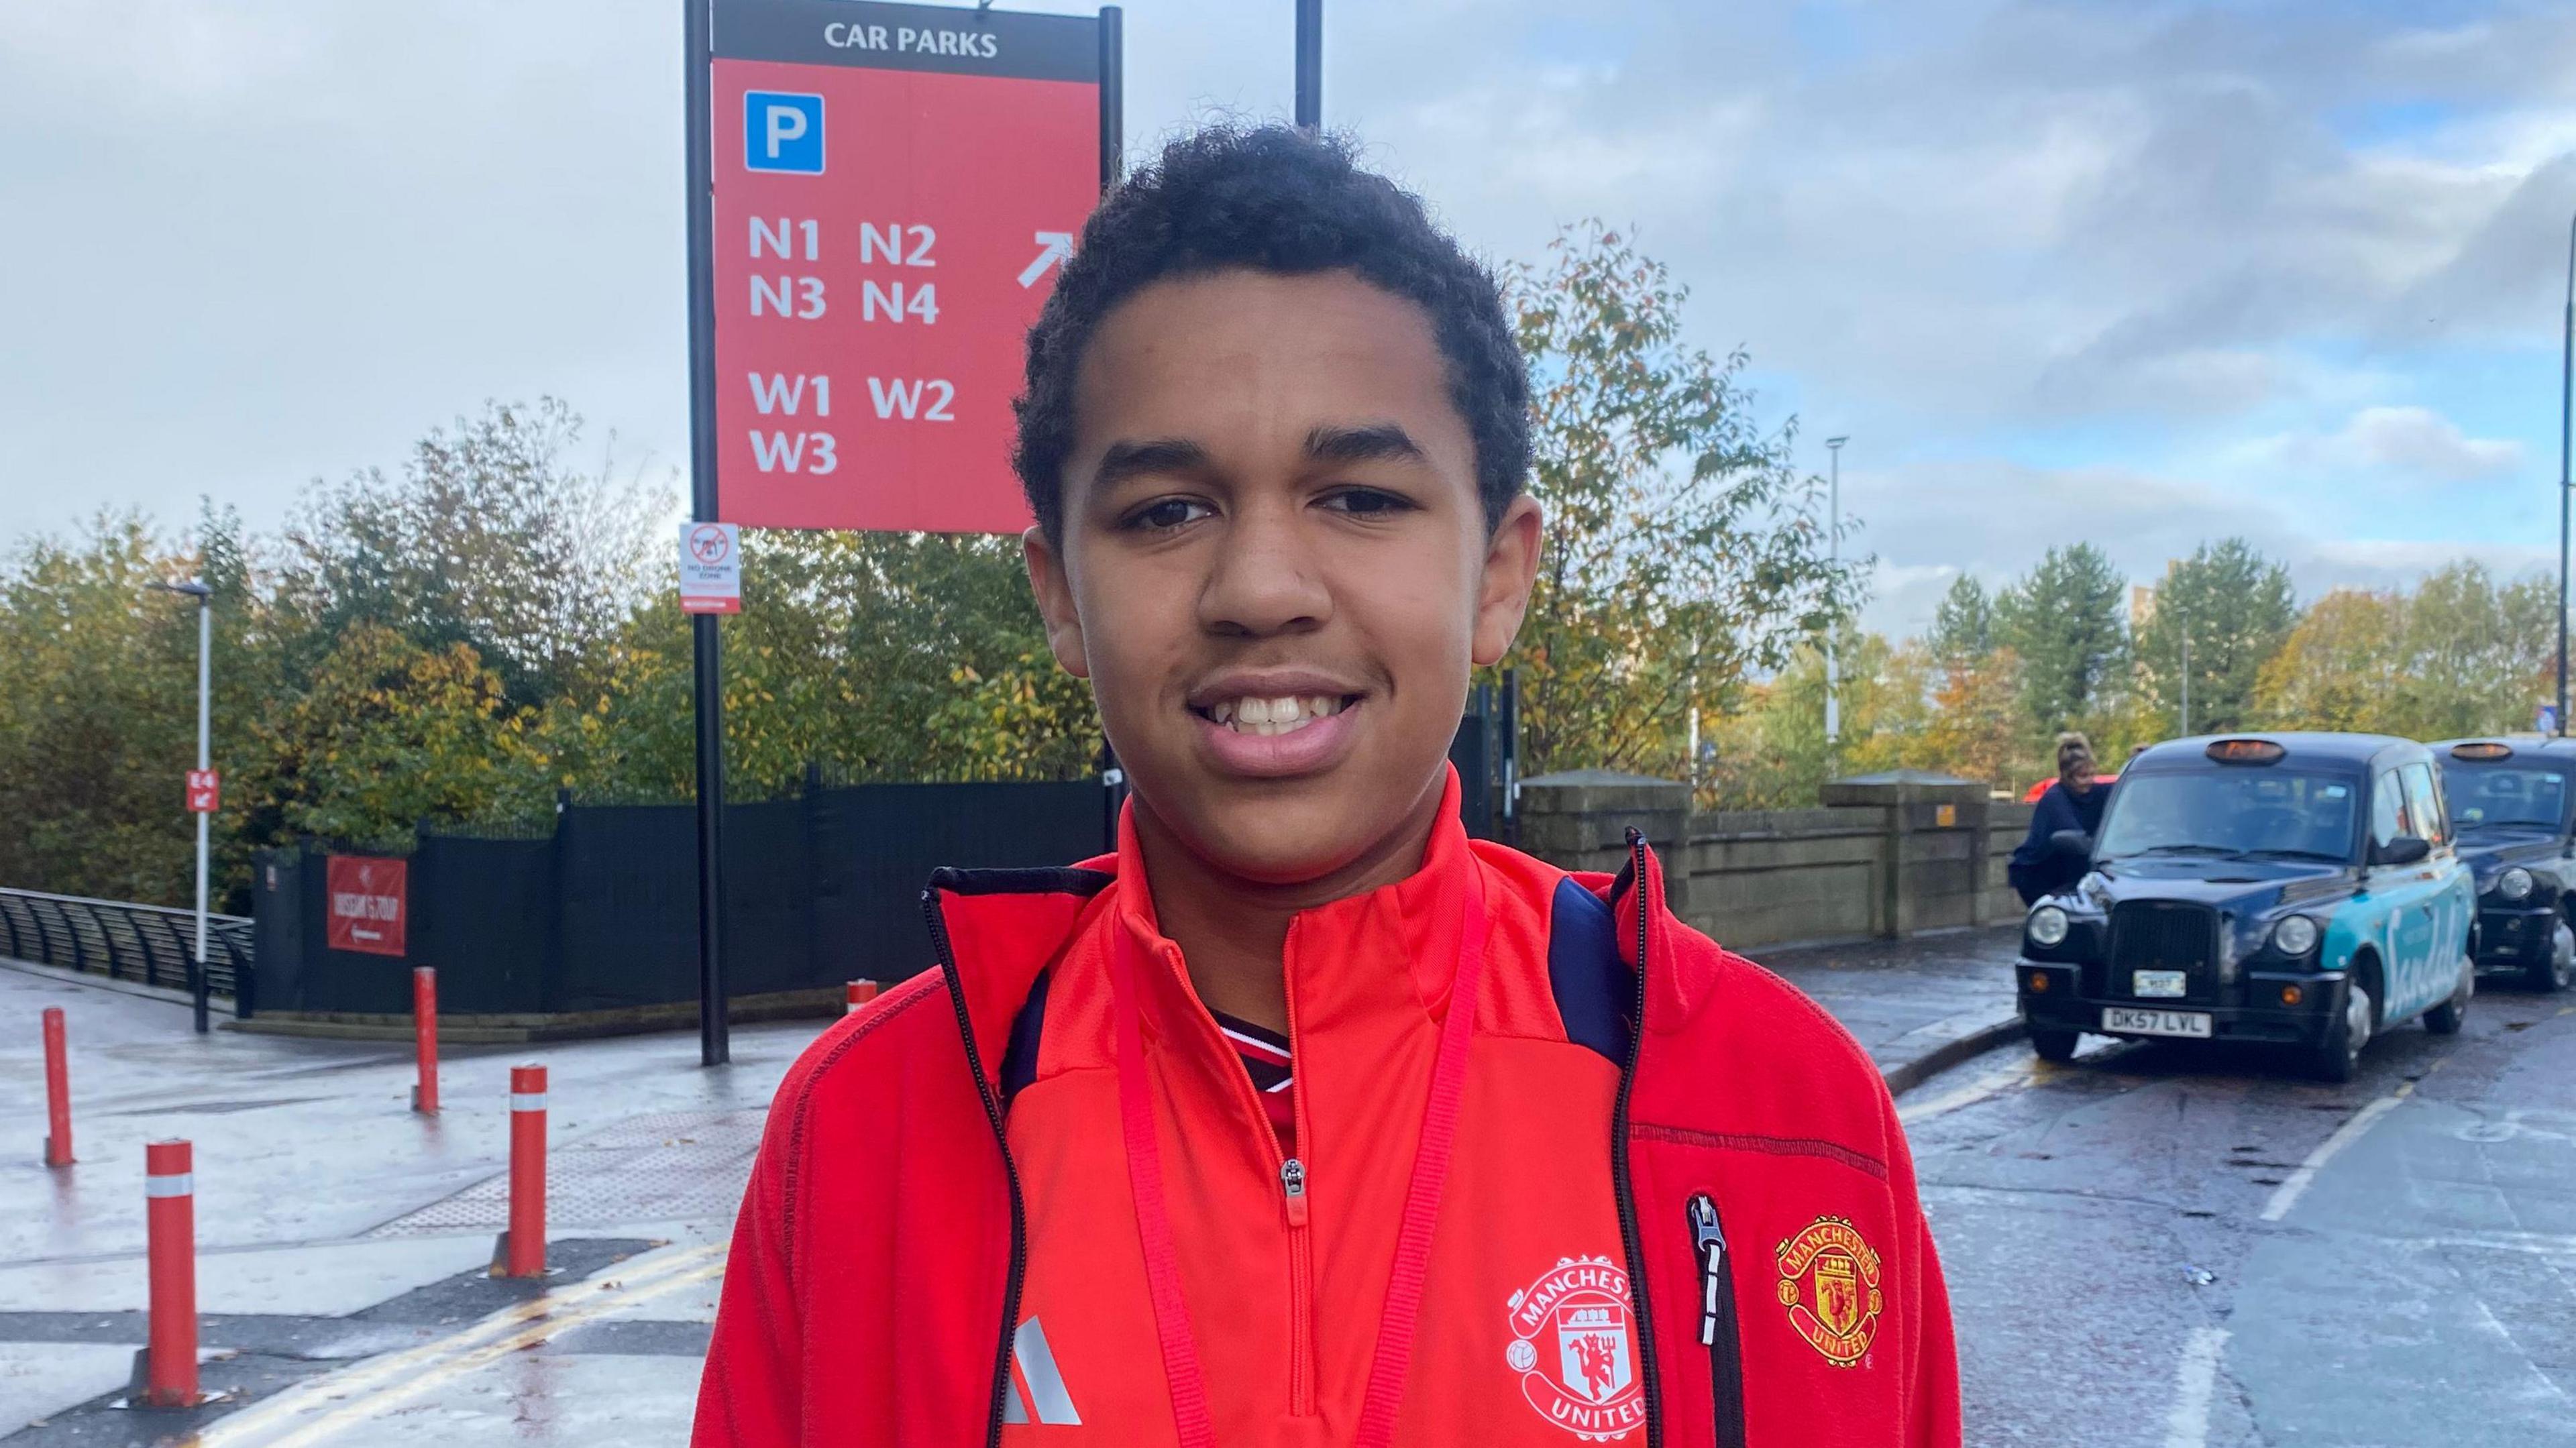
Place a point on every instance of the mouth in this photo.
(1269, 717)
(1279, 727)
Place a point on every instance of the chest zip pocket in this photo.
(1718, 1330)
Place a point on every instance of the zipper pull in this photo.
(1292, 1182)
(1711, 1243)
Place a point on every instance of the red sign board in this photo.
(370, 903)
(205, 791)
(895, 190)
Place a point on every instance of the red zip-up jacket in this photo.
(1641, 1191)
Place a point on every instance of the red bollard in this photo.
(525, 1255)
(58, 1092)
(170, 1206)
(860, 993)
(424, 1034)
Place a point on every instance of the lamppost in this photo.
(1834, 546)
(204, 596)
(2566, 400)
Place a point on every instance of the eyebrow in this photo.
(1376, 442)
(1125, 459)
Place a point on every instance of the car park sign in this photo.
(895, 189)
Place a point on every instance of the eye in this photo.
(1165, 514)
(1368, 503)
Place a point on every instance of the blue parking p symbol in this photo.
(782, 132)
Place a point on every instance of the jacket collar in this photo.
(997, 930)
(1391, 948)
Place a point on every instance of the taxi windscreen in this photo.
(2502, 794)
(2281, 813)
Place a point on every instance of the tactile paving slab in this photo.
(665, 1166)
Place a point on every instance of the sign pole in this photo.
(714, 1044)
(1113, 97)
(1310, 65)
(198, 986)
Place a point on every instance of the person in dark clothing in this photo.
(2074, 802)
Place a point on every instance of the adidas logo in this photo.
(1036, 1386)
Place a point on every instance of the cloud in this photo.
(2414, 444)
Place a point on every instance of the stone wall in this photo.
(1887, 855)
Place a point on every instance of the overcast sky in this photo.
(2139, 273)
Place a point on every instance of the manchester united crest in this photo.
(1829, 1284)
(1576, 1351)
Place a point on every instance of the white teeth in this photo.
(1284, 714)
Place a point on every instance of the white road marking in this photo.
(2296, 1184)
(1992, 1082)
(2187, 1426)
(314, 1411)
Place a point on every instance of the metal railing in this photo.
(121, 940)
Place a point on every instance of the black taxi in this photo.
(2513, 804)
(2293, 888)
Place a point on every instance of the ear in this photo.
(1055, 601)
(1511, 568)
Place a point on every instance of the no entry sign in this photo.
(895, 188)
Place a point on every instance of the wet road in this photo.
(2186, 1246)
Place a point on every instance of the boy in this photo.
(1302, 1119)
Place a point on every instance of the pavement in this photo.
(344, 1241)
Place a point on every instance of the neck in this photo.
(1233, 932)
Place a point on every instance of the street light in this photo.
(2566, 392)
(1834, 543)
(204, 596)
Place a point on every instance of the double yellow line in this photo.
(314, 1411)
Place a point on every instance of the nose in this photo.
(1265, 578)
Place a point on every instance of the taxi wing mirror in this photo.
(2074, 844)
(2403, 850)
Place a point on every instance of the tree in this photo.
(2235, 606)
(1684, 552)
(2063, 621)
(1979, 727)
(390, 734)
(2479, 656)
(1963, 628)
(97, 715)
(489, 536)
(2340, 668)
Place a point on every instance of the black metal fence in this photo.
(147, 943)
(599, 913)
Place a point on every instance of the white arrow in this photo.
(1055, 247)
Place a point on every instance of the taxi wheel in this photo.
(2446, 1018)
(2053, 1045)
(2552, 974)
(2338, 1056)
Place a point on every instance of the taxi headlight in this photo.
(2047, 925)
(2514, 884)
(2295, 935)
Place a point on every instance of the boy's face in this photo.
(1274, 566)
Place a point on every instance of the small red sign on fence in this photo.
(369, 903)
(205, 791)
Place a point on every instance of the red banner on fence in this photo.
(370, 903)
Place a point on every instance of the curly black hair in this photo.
(1274, 199)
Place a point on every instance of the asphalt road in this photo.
(2186, 1246)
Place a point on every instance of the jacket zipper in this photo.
(1718, 1330)
(1012, 1284)
(1301, 1291)
(1630, 1239)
